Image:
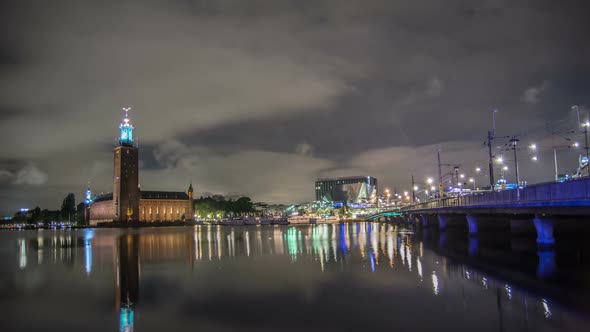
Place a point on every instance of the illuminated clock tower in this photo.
(126, 174)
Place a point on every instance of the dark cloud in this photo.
(261, 97)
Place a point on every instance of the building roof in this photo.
(103, 197)
(163, 195)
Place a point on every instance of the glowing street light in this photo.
(429, 180)
(462, 176)
(477, 170)
(534, 158)
(533, 146)
(415, 188)
(500, 160)
(472, 180)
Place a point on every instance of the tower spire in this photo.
(88, 196)
(126, 134)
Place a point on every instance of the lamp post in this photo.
(504, 169)
(585, 126)
(574, 145)
(491, 136)
(414, 190)
(514, 141)
(472, 180)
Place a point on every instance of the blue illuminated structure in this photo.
(88, 200)
(126, 136)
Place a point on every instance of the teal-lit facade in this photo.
(88, 198)
(126, 135)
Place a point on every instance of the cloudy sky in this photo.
(262, 97)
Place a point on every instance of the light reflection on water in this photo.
(377, 259)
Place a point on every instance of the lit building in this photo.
(354, 189)
(127, 202)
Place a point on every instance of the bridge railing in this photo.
(575, 190)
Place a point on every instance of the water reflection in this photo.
(127, 278)
(371, 248)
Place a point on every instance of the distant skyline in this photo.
(261, 98)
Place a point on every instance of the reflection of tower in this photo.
(127, 279)
(128, 270)
(191, 204)
(126, 174)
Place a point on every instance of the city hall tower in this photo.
(126, 174)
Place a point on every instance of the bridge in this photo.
(542, 205)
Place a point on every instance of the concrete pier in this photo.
(424, 219)
(442, 221)
(472, 224)
(544, 227)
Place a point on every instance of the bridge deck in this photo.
(564, 198)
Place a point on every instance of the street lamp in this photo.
(574, 145)
(586, 125)
(477, 170)
(515, 140)
(472, 180)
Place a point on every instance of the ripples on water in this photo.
(362, 276)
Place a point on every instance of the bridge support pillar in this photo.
(472, 224)
(442, 221)
(547, 266)
(544, 228)
(424, 218)
(473, 246)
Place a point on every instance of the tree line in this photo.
(69, 212)
(219, 207)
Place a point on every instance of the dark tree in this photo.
(80, 215)
(68, 207)
(36, 215)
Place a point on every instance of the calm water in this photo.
(353, 277)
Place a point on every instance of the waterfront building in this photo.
(127, 202)
(353, 189)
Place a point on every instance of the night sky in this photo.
(262, 97)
